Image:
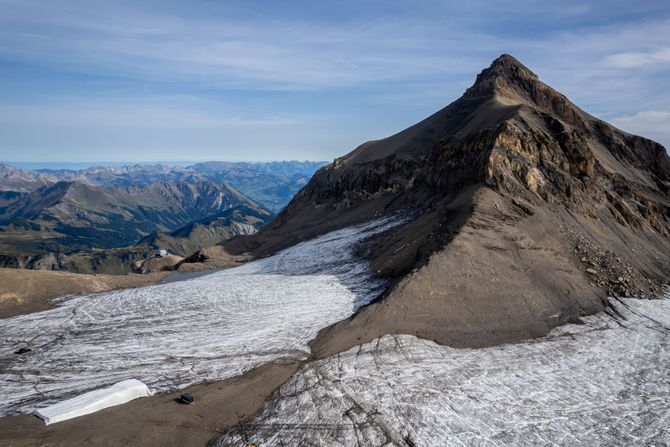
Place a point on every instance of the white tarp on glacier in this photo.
(93, 401)
(173, 335)
(605, 382)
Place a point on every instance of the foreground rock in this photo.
(158, 420)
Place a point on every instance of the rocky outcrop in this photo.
(114, 261)
(503, 184)
(156, 264)
(240, 220)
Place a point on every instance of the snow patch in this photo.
(93, 401)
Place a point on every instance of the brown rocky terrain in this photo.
(26, 291)
(530, 211)
(158, 420)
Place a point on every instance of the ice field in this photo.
(175, 334)
(605, 382)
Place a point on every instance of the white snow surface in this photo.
(93, 401)
(605, 382)
(172, 335)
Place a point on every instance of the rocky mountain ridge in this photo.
(505, 182)
(23, 180)
(184, 241)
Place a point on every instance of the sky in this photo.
(90, 80)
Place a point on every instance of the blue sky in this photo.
(93, 80)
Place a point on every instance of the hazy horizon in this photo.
(37, 165)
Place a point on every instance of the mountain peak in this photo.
(504, 73)
(508, 62)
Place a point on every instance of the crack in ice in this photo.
(594, 383)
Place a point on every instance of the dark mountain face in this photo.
(528, 212)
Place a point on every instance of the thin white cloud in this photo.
(638, 59)
(260, 54)
(654, 124)
(136, 113)
(269, 53)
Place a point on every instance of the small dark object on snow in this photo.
(186, 398)
(23, 350)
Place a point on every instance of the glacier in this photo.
(176, 334)
(603, 382)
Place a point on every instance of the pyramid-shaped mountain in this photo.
(527, 213)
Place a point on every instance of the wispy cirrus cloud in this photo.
(132, 113)
(285, 52)
(654, 124)
(638, 59)
(261, 54)
(360, 70)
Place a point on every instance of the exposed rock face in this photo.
(156, 264)
(505, 181)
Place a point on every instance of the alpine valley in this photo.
(104, 219)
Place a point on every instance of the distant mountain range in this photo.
(69, 217)
(23, 180)
(73, 216)
(103, 219)
(18, 248)
(240, 220)
(270, 184)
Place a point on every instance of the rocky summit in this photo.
(527, 212)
